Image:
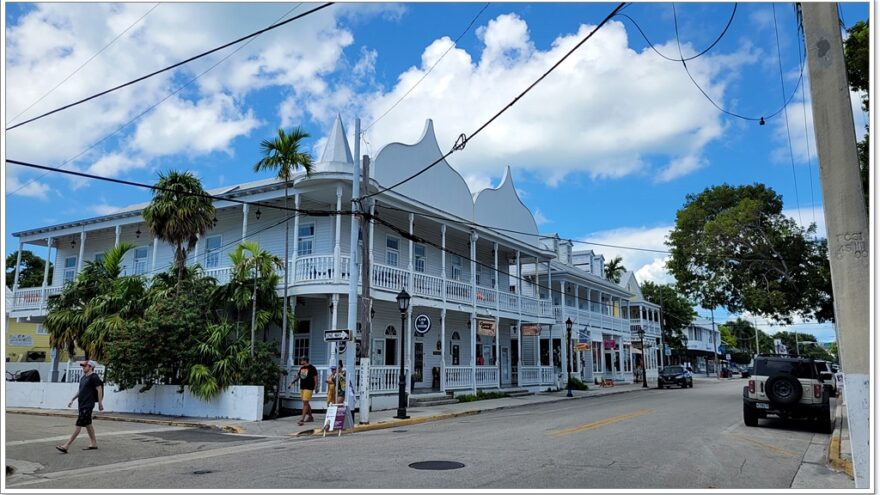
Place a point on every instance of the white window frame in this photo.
(455, 267)
(69, 271)
(389, 251)
(420, 261)
(99, 257)
(306, 243)
(212, 255)
(42, 330)
(302, 340)
(140, 264)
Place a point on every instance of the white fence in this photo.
(458, 377)
(536, 375)
(486, 376)
(236, 402)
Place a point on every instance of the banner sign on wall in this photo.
(531, 330)
(21, 341)
(610, 343)
(422, 324)
(486, 327)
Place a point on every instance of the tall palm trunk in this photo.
(275, 408)
(254, 308)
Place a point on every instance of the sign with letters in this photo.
(422, 324)
(610, 343)
(486, 327)
(337, 419)
(21, 341)
(337, 335)
(531, 330)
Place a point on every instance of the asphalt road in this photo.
(691, 438)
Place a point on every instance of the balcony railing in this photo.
(34, 298)
(487, 376)
(597, 320)
(536, 375)
(459, 377)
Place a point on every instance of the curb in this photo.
(835, 461)
(149, 421)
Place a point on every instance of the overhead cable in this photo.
(173, 66)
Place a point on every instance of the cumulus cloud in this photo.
(540, 218)
(602, 112)
(647, 265)
(24, 185)
(806, 215)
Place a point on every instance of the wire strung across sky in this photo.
(173, 66)
(148, 109)
(133, 24)
(463, 139)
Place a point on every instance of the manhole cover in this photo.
(203, 471)
(436, 465)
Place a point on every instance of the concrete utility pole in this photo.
(846, 220)
(715, 346)
(354, 270)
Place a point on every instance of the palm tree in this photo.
(251, 262)
(284, 154)
(179, 213)
(614, 269)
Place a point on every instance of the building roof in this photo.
(337, 155)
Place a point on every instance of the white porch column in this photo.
(550, 286)
(49, 241)
(290, 331)
(409, 275)
(443, 261)
(245, 208)
(334, 324)
(372, 236)
(495, 278)
(153, 260)
(118, 235)
(519, 294)
(18, 266)
(473, 255)
(443, 348)
(292, 256)
(410, 341)
(337, 248)
(519, 339)
(82, 250)
(563, 313)
(498, 349)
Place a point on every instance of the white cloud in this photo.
(807, 215)
(540, 219)
(601, 112)
(115, 164)
(647, 265)
(477, 182)
(25, 186)
(104, 209)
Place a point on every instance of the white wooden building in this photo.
(462, 278)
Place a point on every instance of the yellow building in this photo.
(26, 341)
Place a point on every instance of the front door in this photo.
(378, 352)
(390, 352)
(456, 354)
(419, 363)
(505, 365)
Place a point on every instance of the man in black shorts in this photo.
(91, 390)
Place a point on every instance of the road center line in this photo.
(602, 422)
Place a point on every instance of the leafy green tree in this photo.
(179, 213)
(30, 270)
(284, 155)
(733, 247)
(614, 269)
(857, 55)
(678, 311)
(807, 345)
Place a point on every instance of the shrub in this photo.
(576, 384)
(481, 395)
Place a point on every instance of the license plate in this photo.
(761, 405)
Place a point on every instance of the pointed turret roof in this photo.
(337, 151)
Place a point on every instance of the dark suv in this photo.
(788, 387)
(675, 375)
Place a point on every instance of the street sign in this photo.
(667, 351)
(337, 335)
(422, 324)
(727, 356)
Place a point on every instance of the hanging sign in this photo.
(583, 346)
(610, 344)
(486, 327)
(531, 330)
(422, 324)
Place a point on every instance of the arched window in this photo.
(390, 331)
(455, 336)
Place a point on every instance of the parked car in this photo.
(825, 366)
(748, 371)
(675, 375)
(788, 387)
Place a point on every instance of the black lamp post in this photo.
(403, 305)
(684, 344)
(568, 324)
(641, 332)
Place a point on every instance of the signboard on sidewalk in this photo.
(337, 418)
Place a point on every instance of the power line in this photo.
(463, 139)
(213, 197)
(148, 109)
(720, 36)
(797, 196)
(83, 64)
(178, 64)
(760, 119)
(806, 127)
(454, 43)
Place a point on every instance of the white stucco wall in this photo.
(237, 402)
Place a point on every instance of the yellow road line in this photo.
(773, 448)
(601, 423)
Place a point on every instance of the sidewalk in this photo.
(828, 461)
(287, 426)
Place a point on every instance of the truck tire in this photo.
(783, 390)
(750, 418)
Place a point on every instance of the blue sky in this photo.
(604, 150)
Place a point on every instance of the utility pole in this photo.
(757, 342)
(366, 299)
(845, 217)
(354, 268)
(715, 345)
(662, 344)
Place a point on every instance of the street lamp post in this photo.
(568, 324)
(641, 332)
(402, 304)
(684, 344)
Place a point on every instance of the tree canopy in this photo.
(678, 311)
(30, 271)
(614, 269)
(857, 56)
(733, 247)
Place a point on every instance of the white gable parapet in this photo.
(502, 208)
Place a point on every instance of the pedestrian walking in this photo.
(91, 390)
(307, 378)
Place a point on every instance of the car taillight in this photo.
(817, 390)
(751, 386)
